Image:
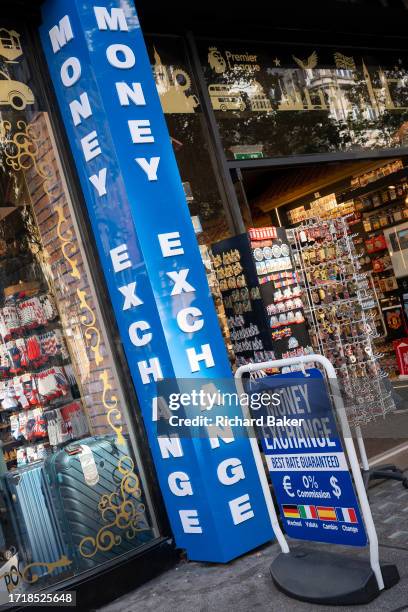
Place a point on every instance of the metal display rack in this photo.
(342, 308)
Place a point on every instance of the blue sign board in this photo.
(147, 247)
(308, 467)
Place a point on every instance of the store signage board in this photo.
(307, 465)
(157, 284)
(241, 156)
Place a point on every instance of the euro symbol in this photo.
(287, 485)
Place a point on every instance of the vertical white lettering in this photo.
(170, 244)
(80, 109)
(90, 146)
(129, 293)
(241, 509)
(120, 56)
(70, 71)
(180, 283)
(187, 319)
(194, 358)
(179, 484)
(160, 408)
(217, 433)
(115, 20)
(99, 182)
(170, 445)
(150, 167)
(60, 34)
(120, 258)
(140, 131)
(137, 338)
(230, 471)
(127, 94)
(150, 368)
(190, 522)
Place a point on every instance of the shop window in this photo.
(72, 489)
(286, 101)
(186, 125)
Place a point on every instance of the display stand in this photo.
(312, 575)
(343, 317)
(261, 295)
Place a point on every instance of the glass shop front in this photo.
(73, 492)
(267, 105)
(320, 263)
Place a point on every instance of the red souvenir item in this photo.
(14, 356)
(31, 313)
(378, 265)
(379, 243)
(262, 233)
(33, 350)
(401, 350)
(40, 426)
(9, 320)
(369, 245)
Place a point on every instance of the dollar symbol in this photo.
(336, 489)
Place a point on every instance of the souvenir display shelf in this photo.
(39, 398)
(374, 201)
(261, 296)
(342, 307)
(217, 299)
(380, 200)
(37, 384)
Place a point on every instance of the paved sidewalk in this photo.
(245, 584)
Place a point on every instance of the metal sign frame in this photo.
(348, 443)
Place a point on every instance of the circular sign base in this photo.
(328, 578)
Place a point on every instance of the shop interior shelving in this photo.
(375, 206)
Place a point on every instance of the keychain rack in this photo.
(342, 307)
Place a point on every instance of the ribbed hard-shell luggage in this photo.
(39, 538)
(98, 500)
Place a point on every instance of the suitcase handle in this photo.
(73, 450)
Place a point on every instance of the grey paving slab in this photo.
(245, 584)
(242, 586)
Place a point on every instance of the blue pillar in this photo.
(116, 128)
